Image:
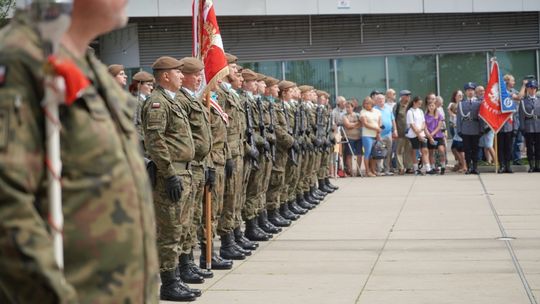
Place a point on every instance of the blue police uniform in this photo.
(470, 127)
(529, 115)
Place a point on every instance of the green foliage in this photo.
(5, 7)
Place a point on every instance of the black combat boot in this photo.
(537, 166)
(329, 184)
(172, 290)
(254, 232)
(508, 168)
(310, 199)
(324, 187)
(295, 208)
(228, 250)
(277, 220)
(195, 291)
(265, 225)
(502, 168)
(207, 274)
(217, 262)
(475, 168)
(316, 193)
(300, 201)
(286, 213)
(186, 272)
(242, 241)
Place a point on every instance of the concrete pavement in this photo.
(400, 239)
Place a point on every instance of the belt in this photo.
(532, 117)
(470, 119)
(186, 165)
(195, 163)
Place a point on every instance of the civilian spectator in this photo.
(391, 98)
(403, 149)
(434, 123)
(416, 134)
(388, 132)
(352, 126)
(339, 110)
(371, 128)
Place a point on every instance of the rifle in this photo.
(249, 133)
(272, 129)
(303, 125)
(292, 153)
(329, 126)
(262, 128)
(319, 130)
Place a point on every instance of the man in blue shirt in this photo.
(388, 132)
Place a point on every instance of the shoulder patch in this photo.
(3, 74)
(156, 105)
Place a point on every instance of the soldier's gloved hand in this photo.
(266, 146)
(271, 137)
(296, 146)
(254, 153)
(210, 175)
(229, 168)
(318, 142)
(173, 187)
(151, 169)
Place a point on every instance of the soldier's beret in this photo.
(305, 88)
(191, 65)
(249, 75)
(231, 58)
(404, 92)
(469, 86)
(143, 76)
(270, 81)
(285, 85)
(532, 84)
(261, 77)
(115, 69)
(322, 93)
(166, 63)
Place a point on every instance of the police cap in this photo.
(191, 65)
(469, 86)
(166, 63)
(532, 84)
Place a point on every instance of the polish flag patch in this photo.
(156, 105)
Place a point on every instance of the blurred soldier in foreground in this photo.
(109, 229)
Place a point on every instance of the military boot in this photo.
(475, 168)
(537, 166)
(324, 187)
(316, 193)
(228, 250)
(300, 201)
(329, 184)
(254, 232)
(286, 213)
(295, 208)
(265, 225)
(308, 198)
(195, 291)
(207, 274)
(277, 220)
(502, 168)
(217, 261)
(172, 290)
(186, 271)
(508, 168)
(242, 241)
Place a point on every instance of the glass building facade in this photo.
(421, 74)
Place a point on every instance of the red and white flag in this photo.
(207, 43)
(490, 109)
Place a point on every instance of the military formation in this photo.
(261, 147)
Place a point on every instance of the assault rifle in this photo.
(272, 129)
(292, 152)
(262, 128)
(254, 153)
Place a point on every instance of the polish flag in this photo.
(490, 110)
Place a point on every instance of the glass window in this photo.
(517, 63)
(457, 69)
(318, 73)
(417, 74)
(269, 68)
(357, 77)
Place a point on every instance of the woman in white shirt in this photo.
(371, 129)
(416, 123)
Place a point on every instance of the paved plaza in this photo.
(401, 239)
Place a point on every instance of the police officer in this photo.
(469, 126)
(529, 115)
(109, 223)
(169, 144)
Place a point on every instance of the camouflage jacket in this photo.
(231, 104)
(220, 150)
(109, 226)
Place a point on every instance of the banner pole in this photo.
(496, 153)
(208, 206)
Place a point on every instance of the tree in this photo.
(5, 7)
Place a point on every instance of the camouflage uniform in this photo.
(202, 140)
(266, 161)
(323, 171)
(307, 157)
(109, 230)
(232, 198)
(169, 144)
(292, 178)
(284, 142)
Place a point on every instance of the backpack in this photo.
(379, 150)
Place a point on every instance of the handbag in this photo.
(379, 150)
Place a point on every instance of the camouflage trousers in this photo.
(254, 189)
(189, 236)
(305, 173)
(315, 168)
(171, 219)
(268, 164)
(232, 197)
(292, 177)
(322, 173)
(246, 174)
(217, 204)
(275, 190)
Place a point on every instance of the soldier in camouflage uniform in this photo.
(141, 88)
(319, 141)
(109, 225)
(170, 146)
(284, 142)
(323, 173)
(202, 167)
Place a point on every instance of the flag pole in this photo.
(208, 200)
(496, 153)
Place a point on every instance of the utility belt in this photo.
(182, 165)
(532, 117)
(469, 119)
(195, 163)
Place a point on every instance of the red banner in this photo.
(490, 109)
(207, 43)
